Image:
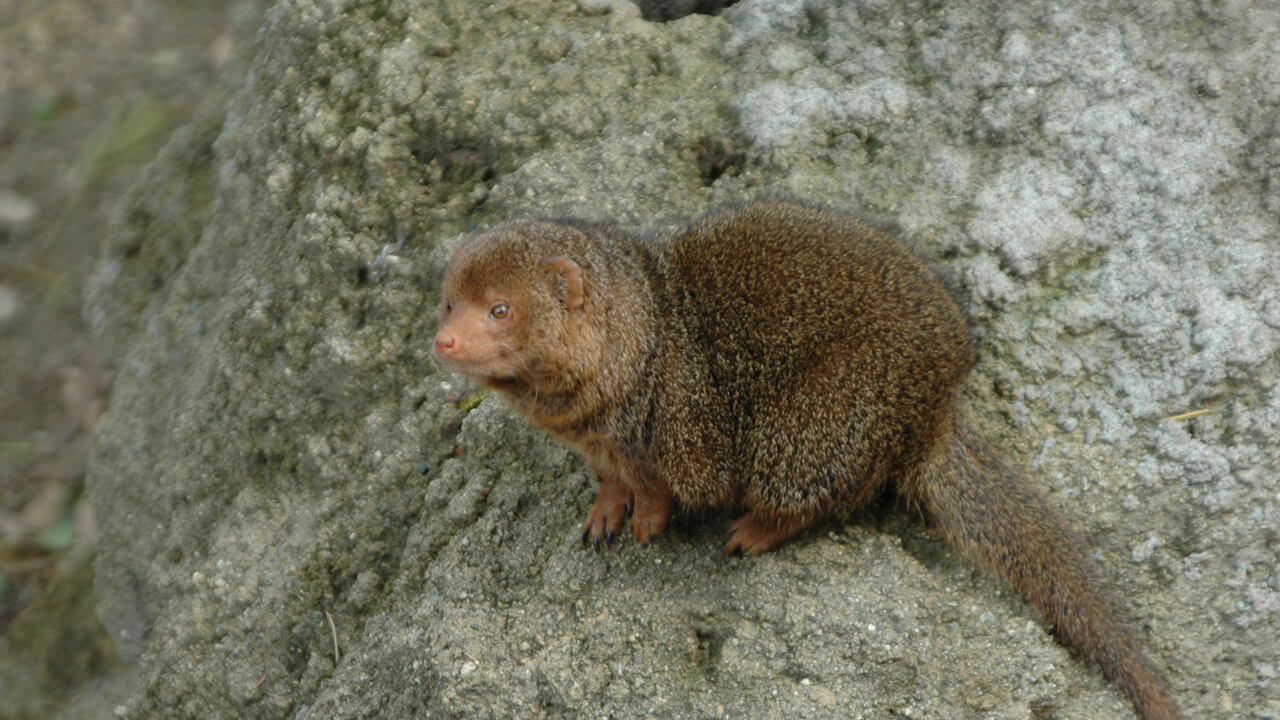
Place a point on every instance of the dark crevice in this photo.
(717, 157)
(665, 10)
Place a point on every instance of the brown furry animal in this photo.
(783, 358)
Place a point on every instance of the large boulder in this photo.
(303, 515)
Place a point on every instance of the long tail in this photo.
(984, 508)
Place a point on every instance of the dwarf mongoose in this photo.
(782, 358)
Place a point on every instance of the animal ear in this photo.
(572, 274)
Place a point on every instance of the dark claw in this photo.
(608, 538)
(585, 534)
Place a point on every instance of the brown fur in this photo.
(786, 359)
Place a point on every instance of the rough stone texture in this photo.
(302, 516)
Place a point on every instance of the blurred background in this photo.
(89, 91)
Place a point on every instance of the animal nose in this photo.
(445, 344)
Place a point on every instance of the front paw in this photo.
(604, 521)
(652, 509)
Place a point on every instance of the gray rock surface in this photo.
(302, 516)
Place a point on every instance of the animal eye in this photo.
(499, 311)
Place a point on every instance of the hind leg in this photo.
(756, 533)
(820, 450)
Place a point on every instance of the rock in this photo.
(270, 548)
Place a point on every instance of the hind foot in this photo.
(755, 534)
